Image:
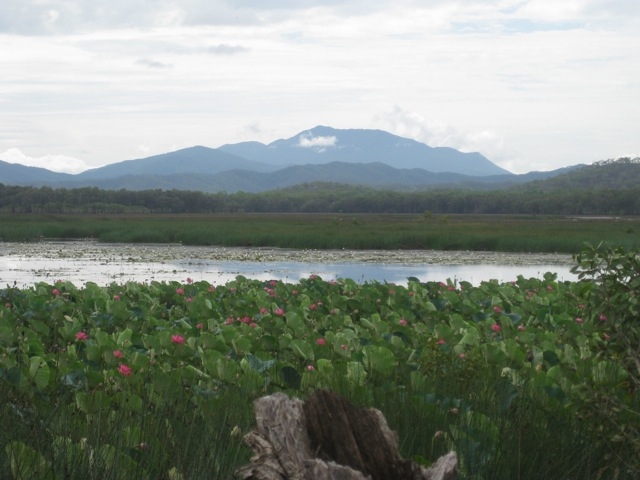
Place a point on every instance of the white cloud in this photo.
(147, 62)
(528, 83)
(55, 163)
(73, 16)
(437, 133)
(307, 141)
(551, 10)
(144, 149)
(226, 49)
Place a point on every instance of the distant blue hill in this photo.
(325, 144)
(16, 174)
(323, 154)
(201, 160)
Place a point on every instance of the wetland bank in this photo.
(365, 247)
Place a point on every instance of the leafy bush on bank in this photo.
(531, 379)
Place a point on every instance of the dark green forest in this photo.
(610, 187)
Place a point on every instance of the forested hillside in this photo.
(619, 174)
(605, 188)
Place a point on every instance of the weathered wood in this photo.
(328, 438)
(444, 468)
(356, 437)
(281, 440)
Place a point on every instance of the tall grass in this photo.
(497, 433)
(195, 441)
(497, 430)
(494, 233)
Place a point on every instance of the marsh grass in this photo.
(177, 438)
(498, 433)
(323, 231)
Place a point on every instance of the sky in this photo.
(530, 84)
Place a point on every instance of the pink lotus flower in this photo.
(496, 328)
(279, 312)
(462, 355)
(253, 325)
(177, 339)
(188, 299)
(263, 310)
(311, 368)
(321, 341)
(441, 341)
(402, 322)
(55, 291)
(124, 370)
(180, 291)
(522, 328)
(343, 347)
(497, 309)
(116, 298)
(118, 353)
(603, 317)
(200, 326)
(189, 280)
(313, 306)
(81, 336)
(579, 320)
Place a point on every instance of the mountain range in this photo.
(352, 156)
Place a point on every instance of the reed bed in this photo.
(505, 233)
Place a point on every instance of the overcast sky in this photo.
(531, 84)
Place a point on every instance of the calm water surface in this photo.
(80, 262)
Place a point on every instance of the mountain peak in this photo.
(323, 144)
(334, 154)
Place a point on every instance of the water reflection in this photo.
(23, 271)
(366, 272)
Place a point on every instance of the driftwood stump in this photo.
(327, 438)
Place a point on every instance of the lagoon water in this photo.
(79, 262)
(366, 272)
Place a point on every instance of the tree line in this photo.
(610, 187)
(324, 198)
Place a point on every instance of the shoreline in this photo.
(161, 253)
